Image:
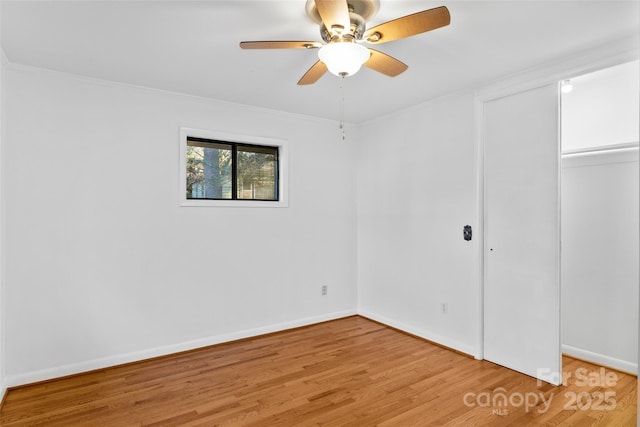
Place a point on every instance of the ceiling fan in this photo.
(343, 29)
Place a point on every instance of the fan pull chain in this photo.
(342, 107)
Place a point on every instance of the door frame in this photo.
(609, 55)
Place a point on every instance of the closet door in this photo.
(522, 239)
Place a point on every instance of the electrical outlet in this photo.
(445, 308)
(324, 290)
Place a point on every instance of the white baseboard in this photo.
(119, 359)
(3, 391)
(422, 333)
(601, 359)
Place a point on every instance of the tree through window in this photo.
(221, 170)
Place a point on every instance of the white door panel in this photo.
(522, 257)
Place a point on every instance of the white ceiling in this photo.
(192, 47)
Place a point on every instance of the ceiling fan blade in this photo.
(409, 25)
(280, 45)
(313, 74)
(385, 64)
(334, 15)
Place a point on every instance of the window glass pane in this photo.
(208, 170)
(257, 173)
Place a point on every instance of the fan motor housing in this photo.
(366, 9)
(358, 25)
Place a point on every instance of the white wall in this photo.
(416, 191)
(600, 218)
(104, 267)
(418, 185)
(602, 109)
(600, 257)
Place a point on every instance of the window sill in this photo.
(234, 203)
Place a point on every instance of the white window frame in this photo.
(283, 169)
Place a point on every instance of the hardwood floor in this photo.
(348, 372)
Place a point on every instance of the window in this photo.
(218, 170)
(230, 170)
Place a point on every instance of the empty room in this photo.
(319, 212)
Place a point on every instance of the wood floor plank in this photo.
(348, 372)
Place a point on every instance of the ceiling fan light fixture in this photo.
(343, 58)
(343, 26)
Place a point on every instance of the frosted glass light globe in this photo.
(343, 58)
